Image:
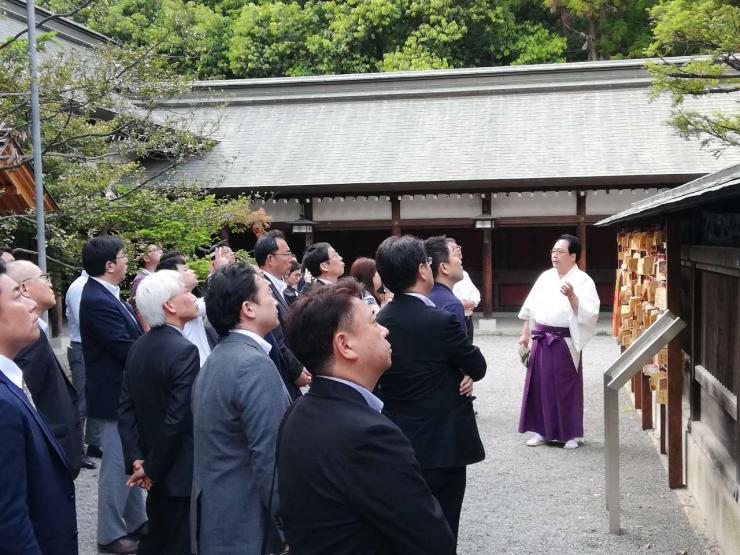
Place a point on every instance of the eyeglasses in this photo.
(558, 252)
(45, 277)
(283, 253)
(427, 260)
(122, 257)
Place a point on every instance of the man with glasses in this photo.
(151, 259)
(561, 312)
(423, 390)
(37, 494)
(54, 396)
(108, 329)
(324, 263)
(273, 256)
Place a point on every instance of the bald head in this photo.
(33, 282)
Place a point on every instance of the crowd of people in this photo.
(287, 409)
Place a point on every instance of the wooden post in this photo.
(581, 215)
(487, 261)
(675, 356)
(647, 403)
(396, 216)
(308, 214)
(55, 317)
(663, 449)
(637, 384)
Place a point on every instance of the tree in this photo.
(605, 29)
(710, 30)
(98, 114)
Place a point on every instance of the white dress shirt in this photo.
(421, 297)
(72, 300)
(372, 401)
(12, 371)
(279, 284)
(260, 340)
(195, 332)
(465, 290)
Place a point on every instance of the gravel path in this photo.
(545, 499)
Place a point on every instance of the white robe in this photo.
(547, 305)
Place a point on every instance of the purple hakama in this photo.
(552, 405)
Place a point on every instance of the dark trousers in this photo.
(470, 327)
(168, 530)
(448, 486)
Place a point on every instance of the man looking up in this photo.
(447, 270)
(273, 256)
(422, 390)
(54, 396)
(349, 481)
(150, 259)
(108, 329)
(324, 263)
(155, 420)
(238, 402)
(37, 494)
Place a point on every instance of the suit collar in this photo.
(250, 338)
(21, 396)
(336, 389)
(122, 306)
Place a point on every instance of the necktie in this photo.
(28, 393)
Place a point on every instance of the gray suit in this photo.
(238, 402)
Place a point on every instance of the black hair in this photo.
(437, 248)
(314, 319)
(98, 251)
(171, 260)
(227, 290)
(264, 247)
(315, 256)
(574, 244)
(398, 259)
(294, 266)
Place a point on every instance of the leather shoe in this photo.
(94, 451)
(121, 546)
(88, 463)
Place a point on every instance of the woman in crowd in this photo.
(292, 279)
(363, 270)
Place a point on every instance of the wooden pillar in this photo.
(675, 356)
(55, 317)
(581, 215)
(647, 402)
(308, 214)
(487, 262)
(396, 216)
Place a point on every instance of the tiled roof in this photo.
(722, 184)
(481, 128)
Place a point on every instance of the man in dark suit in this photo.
(37, 494)
(155, 420)
(348, 479)
(324, 263)
(53, 394)
(426, 391)
(273, 256)
(108, 329)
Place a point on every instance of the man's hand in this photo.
(468, 304)
(524, 340)
(466, 386)
(220, 259)
(566, 289)
(139, 477)
(303, 379)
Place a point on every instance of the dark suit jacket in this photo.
(37, 494)
(154, 417)
(288, 365)
(349, 482)
(421, 388)
(107, 330)
(54, 397)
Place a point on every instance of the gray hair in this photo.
(155, 290)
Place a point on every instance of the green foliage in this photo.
(709, 29)
(97, 119)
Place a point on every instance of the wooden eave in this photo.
(17, 183)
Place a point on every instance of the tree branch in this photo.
(56, 261)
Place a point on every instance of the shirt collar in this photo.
(421, 297)
(109, 286)
(372, 401)
(43, 325)
(260, 340)
(279, 283)
(11, 370)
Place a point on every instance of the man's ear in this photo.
(169, 308)
(246, 312)
(342, 348)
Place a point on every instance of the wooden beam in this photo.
(396, 215)
(675, 355)
(308, 214)
(528, 221)
(487, 261)
(647, 402)
(581, 220)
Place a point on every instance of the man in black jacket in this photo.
(427, 389)
(348, 479)
(154, 416)
(53, 394)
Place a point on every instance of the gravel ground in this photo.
(545, 499)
